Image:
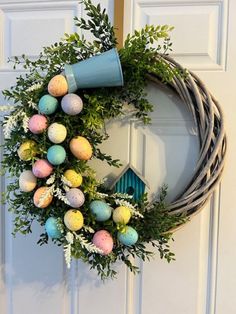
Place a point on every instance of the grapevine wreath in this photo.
(57, 122)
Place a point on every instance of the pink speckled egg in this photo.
(103, 240)
(75, 197)
(42, 168)
(37, 123)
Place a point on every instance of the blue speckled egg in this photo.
(128, 237)
(48, 104)
(101, 210)
(56, 155)
(51, 227)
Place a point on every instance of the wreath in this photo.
(56, 124)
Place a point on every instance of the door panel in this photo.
(202, 280)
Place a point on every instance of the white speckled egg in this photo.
(27, 181)
(57, 133)
(75, 197)
(71, 104)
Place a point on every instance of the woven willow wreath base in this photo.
(209, 119)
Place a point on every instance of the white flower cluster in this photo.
(67, 248)
(51, 179)
(11, 121)
(60, 195)
(88, 229)
(102, 195)
(122, 195)
(33, 105)
(90, 247)
(34, 87)
(25, 122)
(65, 181)
(6, 107)
(132, 208)
(46, 194)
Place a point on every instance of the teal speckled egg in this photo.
(101, 210)
(128, 237)
(48, 104)
(51, 227)
(56, 155)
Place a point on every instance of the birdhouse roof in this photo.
(138, 174)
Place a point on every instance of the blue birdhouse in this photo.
(131, 182)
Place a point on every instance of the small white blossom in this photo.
(10, 123)
(88, 229)
(132, 208)
(122, 195)
(6, 107)
(34, 87)
(65, 181)
(45, 195)
(67, 248)
(51, 179)
(65, 188)
(69, 237)
(67, 254)
(32, 105)
(59, 194)
(102, 195)
(89, 246)
(25, 122)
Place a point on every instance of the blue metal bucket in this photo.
(103, 70)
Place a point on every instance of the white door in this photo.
(34, 279)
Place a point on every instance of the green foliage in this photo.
(138, 57)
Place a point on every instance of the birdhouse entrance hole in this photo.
(130, 190)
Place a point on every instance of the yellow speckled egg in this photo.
(58, 86)
(81, 148)
(27, 181)
(57, 133)
(27, 150)
(74, 220)
(121, 215)
(42, 197)
(73, 177)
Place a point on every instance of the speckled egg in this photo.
(42, 168)
(27, 150)
(37, 123)
(74, 220)
(121, 215)
(51, 227)
(48, 104)
(75, 179)
(103, 240)
(101, 210)
(39, 194)
(27, 181)
(128, 237)
(75, 197)
(57, 133)
(72, 104)
(81, 148)
(58, 86)
(56, 155)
